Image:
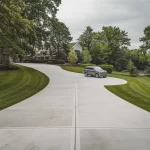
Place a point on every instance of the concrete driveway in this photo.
(74, 113)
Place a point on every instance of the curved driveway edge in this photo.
(74, 113)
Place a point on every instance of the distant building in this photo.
(42, 55)
(76, 46)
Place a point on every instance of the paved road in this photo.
(74, 113)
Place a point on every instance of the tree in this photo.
(132, 69)
(139, 58)
(97, 53)
(79, 56)
(43, 12)
(59, 37)
(86, 56)
(117, 41)
(86, 38)
(27, 26)
(146, 39)
(130, 65)
(72, 57)
(14, 29)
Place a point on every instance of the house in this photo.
(42, 55)
(76, 46)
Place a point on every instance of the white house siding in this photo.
(77, 47)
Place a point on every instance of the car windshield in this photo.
(98, 69)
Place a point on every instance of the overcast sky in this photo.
(130, 15)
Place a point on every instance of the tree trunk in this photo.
(50, 53)
(4, 59)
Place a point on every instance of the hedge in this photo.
(108, 68)
(53, 61)
(86, 65)
(35, 61)
(56, 61)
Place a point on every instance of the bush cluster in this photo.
(36, 61)
(133, 71)
(147, 72)
(108, 68)
(86, 65)
(56, 61)
(11, 67)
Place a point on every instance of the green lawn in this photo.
(136, 91)
(17, 85)
(73, 69)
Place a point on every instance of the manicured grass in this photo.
(17, 85)
(73, 69)
(136, 91)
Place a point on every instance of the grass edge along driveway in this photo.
(136, 91)
(18, 85)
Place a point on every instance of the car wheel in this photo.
(104, 76)
(97, 76)
(86, 75)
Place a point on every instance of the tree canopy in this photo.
(29, 25)
(14, 29)
(146, 39)
(86, 38)
(72, 57)
(106, 46)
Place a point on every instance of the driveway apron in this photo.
(74, 113)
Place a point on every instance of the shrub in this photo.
(133, 71)
(72, 57)
(61, 55)
(108, 68)
(79, 56)
(130, 66)
(11, 67)
(56, 61)
(147, 71)
(85, 65)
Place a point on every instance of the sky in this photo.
(130, 15)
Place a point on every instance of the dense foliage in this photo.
(86, 56)
(108, 68)
(146, 39)
(147, 71)
(27, 26)
(110, 46)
